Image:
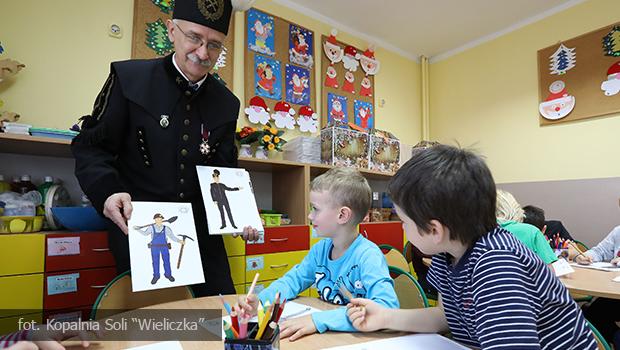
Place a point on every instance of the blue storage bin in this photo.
(79, 218)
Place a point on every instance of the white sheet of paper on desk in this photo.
(602, 266)
(411, 342)
(616, 279)
(561, 267)
(166, 345)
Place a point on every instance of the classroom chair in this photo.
(600, 341)
(117, 297)
(409, 292)
(394, 257)
(408, 254)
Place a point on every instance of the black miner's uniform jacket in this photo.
(124, 147)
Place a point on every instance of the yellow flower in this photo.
(266, 127)
(271, 146)
(266, 138)
(276, 140)
(273, 131)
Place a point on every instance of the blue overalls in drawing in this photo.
(159, 246)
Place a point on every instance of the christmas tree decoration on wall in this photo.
(331, 77)
(349, 82)
(268, 77)
(363, 114)
(157, 38)
(1, 48)
(165, 6)
(336, 108)
(612, 85)
(332, 50)
(350, 59)
(308, 121)
(611, 42)
(260, 32)
(366, 87)
(219, 64)
(283, 115)
(297, 85)
(558, 104)
(370, 65)
(562, 60)
(301, 46)
(257, 111)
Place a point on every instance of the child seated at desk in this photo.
(493, 291)
(600, 313)
(340, 199)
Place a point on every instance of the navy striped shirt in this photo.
(500, 295)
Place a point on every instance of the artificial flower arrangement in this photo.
(246, 135)
(270, 138)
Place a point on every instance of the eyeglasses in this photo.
(212, 46)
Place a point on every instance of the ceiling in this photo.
(434, 28)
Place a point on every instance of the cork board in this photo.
(145, 12)
(595, 53)
(340, 79)
(280, 41)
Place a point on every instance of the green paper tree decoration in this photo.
(611, 42)
(165, 6)
(157, 38)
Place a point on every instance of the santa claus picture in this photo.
(363, 114)
(336, 108)
(331, 77)
(349, 83)
(257, 111)
(283, 115)
(297, 85)
(558, 104)
(366, 87)
(332, 50)
(612, 85)
(300, 46)
(369, 64)
(260, 32)
(308, 121)
(268, 77)
(350, 59)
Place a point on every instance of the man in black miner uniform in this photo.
(152, 123)
(218, 195)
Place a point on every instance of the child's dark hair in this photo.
(534, 216)
(448, 184)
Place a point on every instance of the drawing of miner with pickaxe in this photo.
(159, 244)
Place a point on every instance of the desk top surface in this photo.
(592, 282)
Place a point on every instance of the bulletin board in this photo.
(149, 22)
(277, 49)
(351, 98)
(575, 73)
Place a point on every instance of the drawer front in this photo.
(94, 252)
(281, 239)
(235, 246)
(89, 284)
(22, 293)
(271, 266)
(384, 233)
(69, 315)
(11, 324)
(237, 269)
(23, 254)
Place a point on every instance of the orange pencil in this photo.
(263, 325)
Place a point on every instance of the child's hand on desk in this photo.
(249, 304)
(297, 327)
(583, 259)
(366, 315)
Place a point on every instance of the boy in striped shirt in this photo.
(493, 291)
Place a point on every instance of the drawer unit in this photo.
(78, 287)
(237, 269)
(92, 252)
(271, 266)
(235, 246)
(281, 239)
(11, 324)
(21, 293)
(22, 254)
(384, 233)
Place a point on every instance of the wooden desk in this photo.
(592, 282)
(314, 341)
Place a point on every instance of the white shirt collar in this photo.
(174, 61)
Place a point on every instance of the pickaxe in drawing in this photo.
(182, 247)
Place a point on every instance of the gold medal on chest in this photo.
(163, 121)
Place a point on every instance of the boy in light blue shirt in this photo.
(340, 199)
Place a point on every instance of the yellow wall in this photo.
(67, 53)
(488, 97)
